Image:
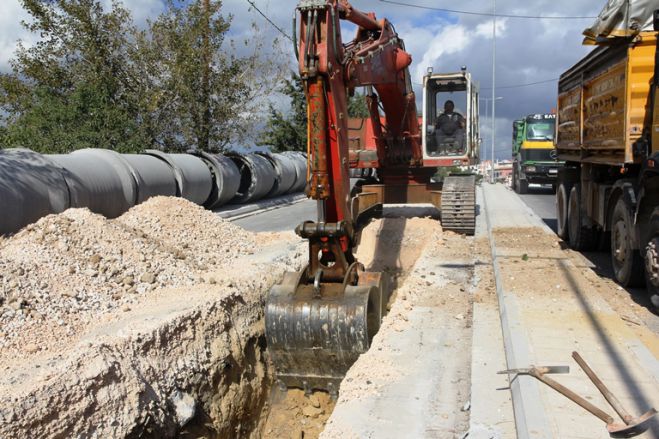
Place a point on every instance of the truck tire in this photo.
(652, 259)
(523, 185)
(580, 237)
(562, 196)
(626, 261)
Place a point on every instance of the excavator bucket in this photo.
(313, 338)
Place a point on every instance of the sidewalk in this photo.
(549, 308)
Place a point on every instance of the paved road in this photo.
(541, 201)
(281, 219)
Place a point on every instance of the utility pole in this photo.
(494, 100)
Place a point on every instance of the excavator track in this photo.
(458, 204)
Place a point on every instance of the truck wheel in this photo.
(523, 186)
(515, 181)
(581, 238)
(626, 261)
(652, 260)
(562, 196)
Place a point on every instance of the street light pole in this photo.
(494, 100)
(487, 109)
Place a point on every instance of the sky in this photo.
(527, 50)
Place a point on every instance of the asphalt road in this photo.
(281, 219)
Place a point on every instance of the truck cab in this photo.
(534, 156)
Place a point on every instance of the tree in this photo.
(95, 80)
(288, 132)
(357, 106)
(200, 87)
(71, 89)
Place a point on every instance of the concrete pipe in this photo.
(100, 180)
(193, 178)
(31, 186)
(226, 178)
(300, 163)
(285, 173)
(257, 177)
(153, 176)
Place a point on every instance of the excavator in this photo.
(320, 319)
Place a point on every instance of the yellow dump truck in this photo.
(608, 135)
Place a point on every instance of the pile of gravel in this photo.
(70, 269)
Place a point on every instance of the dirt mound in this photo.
(68, 270)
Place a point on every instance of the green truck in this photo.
(534, 156)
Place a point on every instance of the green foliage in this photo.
(94, 80)
(288, 132)
(70, 90)
(357, 106)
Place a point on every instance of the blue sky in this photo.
(527, 50)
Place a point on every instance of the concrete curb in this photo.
(234, 212)
(530, 417)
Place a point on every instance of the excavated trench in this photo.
(391, 245)
(191, 361)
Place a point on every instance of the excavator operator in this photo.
(450, 133)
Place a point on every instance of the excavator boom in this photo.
(320, 319)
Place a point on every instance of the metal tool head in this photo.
(634, 428)
(540, 370)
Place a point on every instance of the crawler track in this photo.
(459, 204)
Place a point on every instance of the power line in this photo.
(486, 14)
(546, 81)
(269, 20)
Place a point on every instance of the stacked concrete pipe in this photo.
(226, 178)
(285, 173)
(31, 186)
(300, 162)
(257, 177)
(193, 178)
(98, 179)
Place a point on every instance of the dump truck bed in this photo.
(604, 103)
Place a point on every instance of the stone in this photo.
(315, 402)
(185, 407)
(311, 412)
(148, 278)
(128, 280)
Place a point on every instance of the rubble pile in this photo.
(70, 269)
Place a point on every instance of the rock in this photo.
(185, 407)
(212, 281)
(125, 308)
(148, 278)
(466, 406)
(311, 412)
(313, 399)
(459, 317)
(95, 259)
(31, 348)
(128, 280)
(90, 272)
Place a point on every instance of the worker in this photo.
(450, 132)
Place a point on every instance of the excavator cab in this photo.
(450, 118)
